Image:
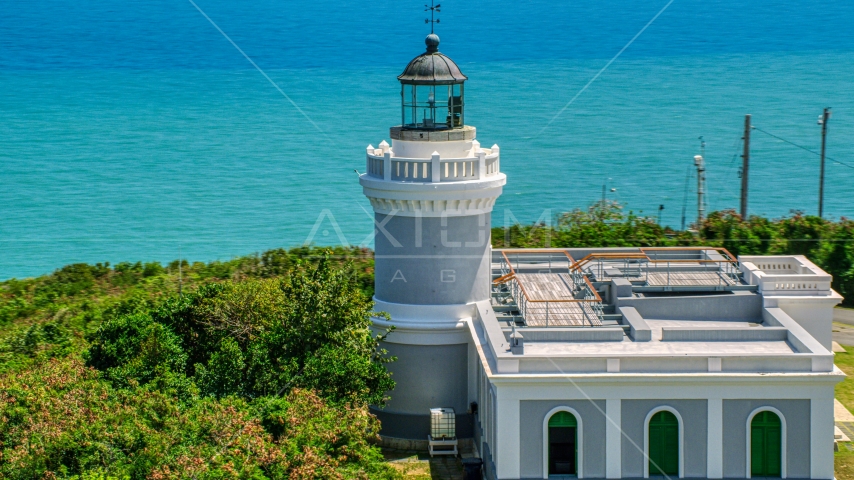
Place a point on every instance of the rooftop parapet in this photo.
(797, 286)
(776, 344)
(790, 275)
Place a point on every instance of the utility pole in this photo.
(745, 167)
(685, 195)
(823, 122)
(700, 162)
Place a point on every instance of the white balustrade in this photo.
(375, 167)
(411, 170)
(785, 275)
(382, 164)
(794, 284)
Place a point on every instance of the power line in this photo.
(737, 145)
(802, 148)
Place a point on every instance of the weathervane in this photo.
(434, 9)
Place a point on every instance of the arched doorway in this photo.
(563, 444)
(766, 445)
(664, 444)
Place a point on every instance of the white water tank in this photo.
(442, 423)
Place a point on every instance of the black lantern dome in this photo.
(432, 67)
(432, 90)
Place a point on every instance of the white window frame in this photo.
(663, 408)
(783, 429)
(579, 441)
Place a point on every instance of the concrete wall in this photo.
(432, 260)
(477, 431)
(797, 414)
(639, 331)
(488, 463)
(428, 376)
(815, 317)
(694, 415)
(744, 307)
(417, 427)
(531, 416)
(558, 334)
(724, 334)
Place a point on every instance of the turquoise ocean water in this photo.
(135, 131)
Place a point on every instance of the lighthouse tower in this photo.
(432, 190)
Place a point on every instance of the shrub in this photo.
(61, 419)
(253, 338)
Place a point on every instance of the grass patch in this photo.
(845, 389)
(411, 465)
(420, 470)
(843, 460)
(420, 466)
(843, 463)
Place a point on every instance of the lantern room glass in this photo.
(432, 107)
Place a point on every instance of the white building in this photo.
(589, 363)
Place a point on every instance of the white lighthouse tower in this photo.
(432, 191)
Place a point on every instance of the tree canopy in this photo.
(253, 338)
(262, 367)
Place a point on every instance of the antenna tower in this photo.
(700, 163)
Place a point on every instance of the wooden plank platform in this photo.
(553, 287)
(546, 286)
(560, 315)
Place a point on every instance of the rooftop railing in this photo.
(666, 267)
(540, 282)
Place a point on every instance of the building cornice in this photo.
(662, 379)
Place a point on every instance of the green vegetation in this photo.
(827, 243)
(843, 464)
(844, 458)
(54, 315)
(250, 339)
(262, 367)
(61, 419)
(845, 389)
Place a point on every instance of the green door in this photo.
(664, 444)
(563, 449)
(765, 445)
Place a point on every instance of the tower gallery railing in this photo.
(382, 165)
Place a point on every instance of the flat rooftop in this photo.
(657, 346)
(683, 309)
